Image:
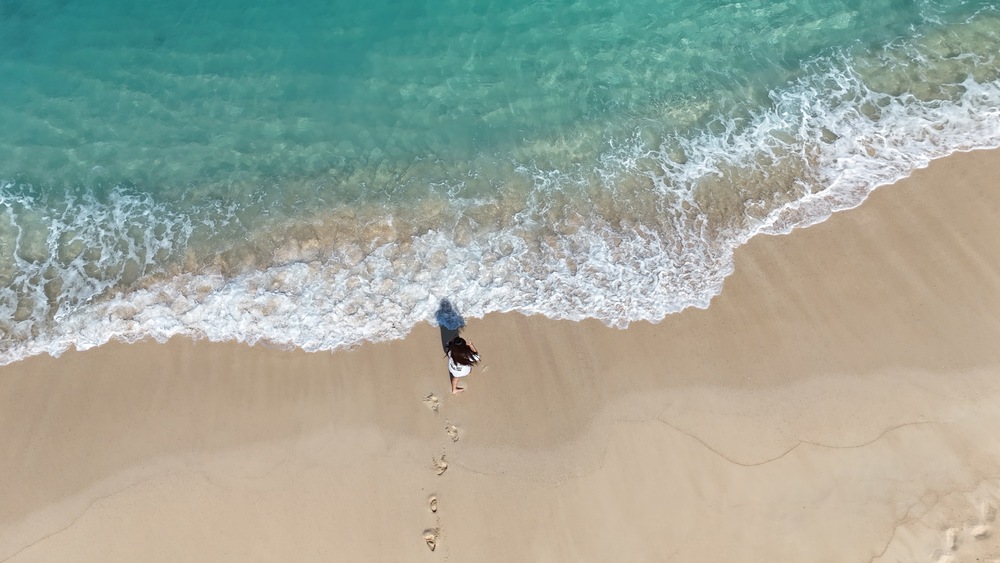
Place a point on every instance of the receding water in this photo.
(314, 174)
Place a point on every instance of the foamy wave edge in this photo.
(612, 275)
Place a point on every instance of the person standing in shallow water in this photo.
(462, 356)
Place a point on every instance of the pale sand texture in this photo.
(840, 401)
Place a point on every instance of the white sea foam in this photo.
(650, 249)
(74, 250)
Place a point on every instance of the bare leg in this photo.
(455, 389)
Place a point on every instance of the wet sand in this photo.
(839, 401)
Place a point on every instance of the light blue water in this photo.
(318, 173)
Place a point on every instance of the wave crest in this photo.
(647, 229)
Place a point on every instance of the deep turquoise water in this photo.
(318, 173)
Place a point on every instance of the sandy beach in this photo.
(839, 401)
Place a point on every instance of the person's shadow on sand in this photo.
(450, 322)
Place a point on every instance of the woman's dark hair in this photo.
(461, 352)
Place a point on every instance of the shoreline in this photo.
(834, 403)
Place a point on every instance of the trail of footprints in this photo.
(954, 537)
(431, 536)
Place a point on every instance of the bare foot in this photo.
(457, 390)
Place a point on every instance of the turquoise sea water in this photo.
(314, 174)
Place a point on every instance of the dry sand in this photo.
(840, 401)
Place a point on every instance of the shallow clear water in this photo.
(318, 173)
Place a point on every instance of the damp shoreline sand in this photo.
(837, 402)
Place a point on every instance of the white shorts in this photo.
(458, 370)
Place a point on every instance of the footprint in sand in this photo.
(452, 431)
(431, 537)
(980, 532)
(432, 402)
(988, 511)
(951, 538)
(433, 503)
(440, 465)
